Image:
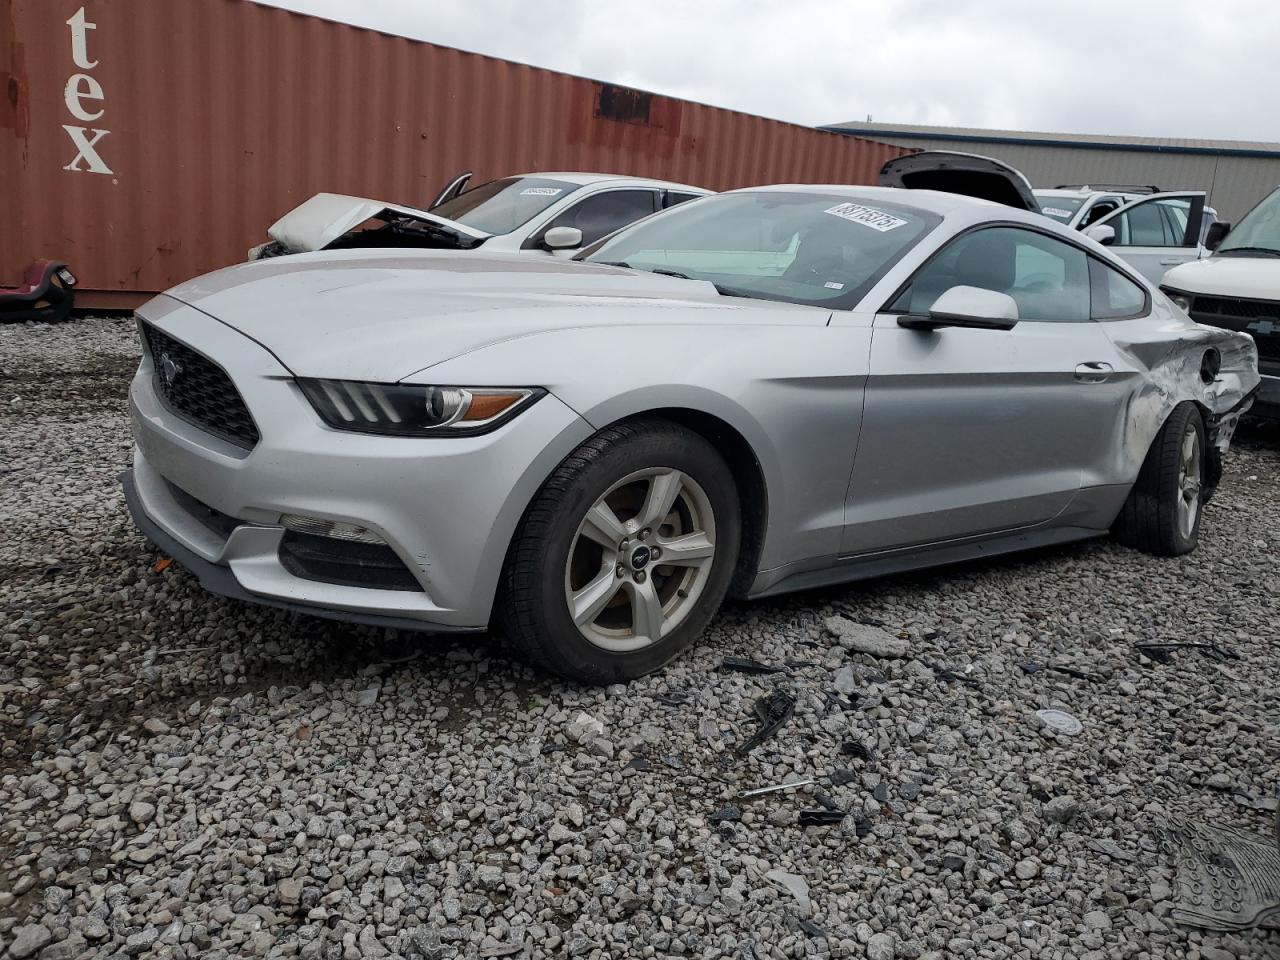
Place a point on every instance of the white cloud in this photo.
(1173, 68)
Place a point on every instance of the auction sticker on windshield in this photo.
(1055, 212)
(868, 217)
(540, 191)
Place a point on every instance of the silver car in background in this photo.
(763, 391)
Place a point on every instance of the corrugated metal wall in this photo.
(205, 120)
(1234, 184)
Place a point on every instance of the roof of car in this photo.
(586, 179)
(1081, 193)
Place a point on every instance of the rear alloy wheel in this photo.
(625, 554)
(1163, 511)
(1190, 480)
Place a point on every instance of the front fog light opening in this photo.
(336, 529)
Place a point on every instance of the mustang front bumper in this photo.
(447, 508)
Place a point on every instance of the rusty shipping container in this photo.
(147, 141)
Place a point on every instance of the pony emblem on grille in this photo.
(170, 369)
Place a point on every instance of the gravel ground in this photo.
(183, 776)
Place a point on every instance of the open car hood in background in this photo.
(324, 218)
(964, 173)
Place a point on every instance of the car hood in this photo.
(316, 223)
(1252, 278)
(967, 174)
(381, 315)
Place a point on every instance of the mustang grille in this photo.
(198, 390)
(1258, 318)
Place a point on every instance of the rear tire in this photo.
(1162, 514)
(579, 602)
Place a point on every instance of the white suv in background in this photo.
(538, 213)
(1156, 233)
(1151, 230)
(1238, 288)
(1151, 233)
(1080, 207)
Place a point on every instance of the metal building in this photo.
(147, 141)
(1235, 173)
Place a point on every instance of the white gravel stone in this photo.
(142, 812)
(585, 728)
(27, 940)
(882, 946)
(861, 638)
(1218, 781)
(1097, 920)
(1061, 809)
(845, 681)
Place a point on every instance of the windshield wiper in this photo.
(732, 291)
(631, 266)
(1267, 251)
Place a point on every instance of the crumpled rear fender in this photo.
(1174, 361)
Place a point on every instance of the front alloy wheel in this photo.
(625, 553)
(640, 559)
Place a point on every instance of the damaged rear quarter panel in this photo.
(1167, 350)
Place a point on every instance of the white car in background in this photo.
(544, 214)
(1238, 288)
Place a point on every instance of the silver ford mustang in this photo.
(755, 392)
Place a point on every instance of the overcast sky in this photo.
(1164, 68)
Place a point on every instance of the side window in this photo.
(1098, 211)
(672, 197)
(1048, 279)
(1155, 223)
(1114, 296)
(1175, 216)
(603, 213)
(1147, 227)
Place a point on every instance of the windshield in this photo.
(500, 206)
(798, 247)
(1058, 207)
(1258, 232)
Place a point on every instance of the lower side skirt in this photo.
(919, 558)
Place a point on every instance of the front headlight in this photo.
(415, 410)
(1182, 300)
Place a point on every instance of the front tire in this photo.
(1163, 511)
(624, 555)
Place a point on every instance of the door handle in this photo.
(1095, 371)
(1171, 263)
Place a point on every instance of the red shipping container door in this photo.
(147, 141)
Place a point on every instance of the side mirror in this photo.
(1103, 233)
(971, 307)
(1216, 234)
(562, 238)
